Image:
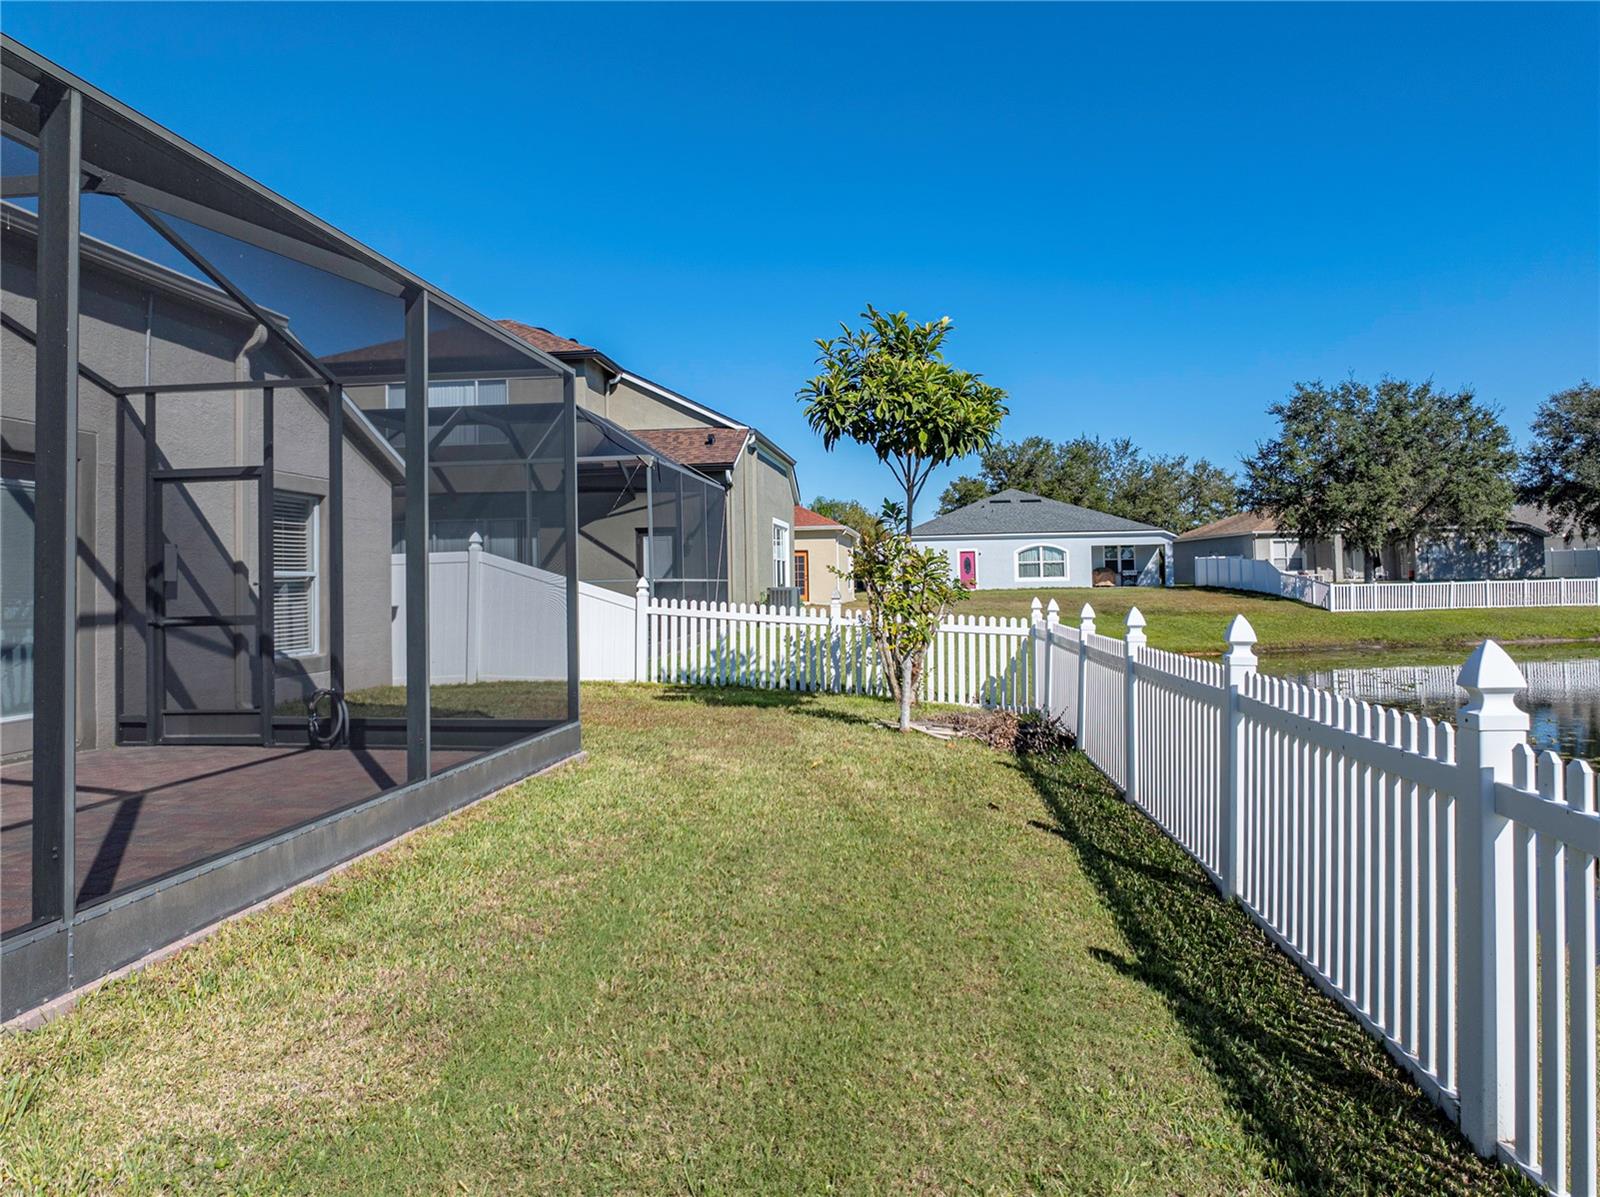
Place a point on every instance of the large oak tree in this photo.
(1393, 464)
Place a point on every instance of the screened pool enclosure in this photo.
(218, 660)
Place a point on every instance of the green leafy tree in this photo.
(847, 512)
(908, 591)
(1111, 476)
(1394, 464)
(962, 491)
(1561, 470)
(887, 386)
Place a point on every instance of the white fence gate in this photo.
(1262, 577)
(1437, 881)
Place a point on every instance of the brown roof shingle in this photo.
(804, 517)
(696, 446)
(543, 338)
(1244, 524)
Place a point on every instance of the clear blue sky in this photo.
(1145, 221)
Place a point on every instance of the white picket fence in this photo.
(1437, 881)
(972, 661)
(1262, 577)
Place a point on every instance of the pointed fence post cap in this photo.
(837, 597)
(1490, 670)
(1135, 618)
(1087, 613)
(643, 587)
(1240, 632)
(1035, 607)
(1053, 611)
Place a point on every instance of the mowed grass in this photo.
(754, 943)
(1184, 619)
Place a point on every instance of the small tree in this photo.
(908, 590)
(888, 387)
(1561, 470)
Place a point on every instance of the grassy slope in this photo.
(754, 943)
(1188, 620)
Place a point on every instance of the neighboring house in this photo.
(759, 477)
(823, 550)
(1518, 552)
(669, 489)
(1016, 540)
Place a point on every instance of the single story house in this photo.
(1015, 540)
(823, 551)
(1518, 552)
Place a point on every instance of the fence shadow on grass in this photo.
(797, 702)
(1335, 1113)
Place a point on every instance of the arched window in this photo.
(1041, 561)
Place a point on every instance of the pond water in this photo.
(1563, 696)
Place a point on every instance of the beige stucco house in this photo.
(822, 553)
(762, 490)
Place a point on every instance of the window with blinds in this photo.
(294, 578)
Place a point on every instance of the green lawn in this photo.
(755, 943)
(1184, 619)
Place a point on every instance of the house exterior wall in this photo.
(1185, 552)
(997, 565)
(124, 324)
(763, 491)
(826, 550)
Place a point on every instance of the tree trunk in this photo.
(905, 665)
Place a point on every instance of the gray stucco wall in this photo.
(1185, 552)
(130, 331)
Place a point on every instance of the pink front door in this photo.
(969, 569)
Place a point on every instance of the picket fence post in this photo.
(1238, 664)
(1085, 630)
(641, 631)
(474, 647)
(1133, 641)
(835, 639)
(1052, 616)
(1490, 727)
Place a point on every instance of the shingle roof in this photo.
(696, 446)
(1246, 523)
(804, 517)
(543, 338)
(1016, 512)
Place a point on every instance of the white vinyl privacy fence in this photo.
(1262, 577)
(1438, 881)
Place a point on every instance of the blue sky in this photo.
(1145, 221)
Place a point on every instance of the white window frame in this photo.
(476, 383)
(782, 554)
(1041, 577)
(311, 576)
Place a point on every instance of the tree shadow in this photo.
(1334, 1111)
